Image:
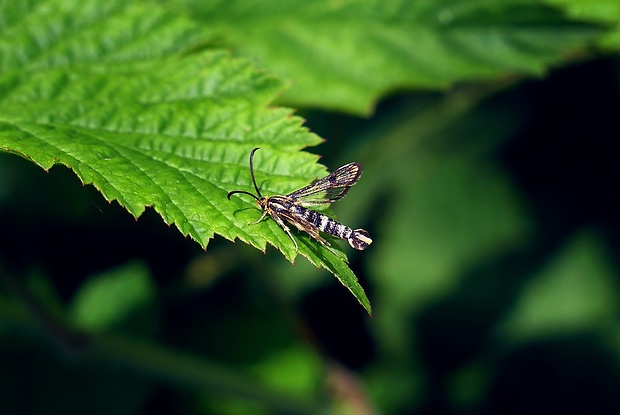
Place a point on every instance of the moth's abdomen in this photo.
(358, 239)
(325, 223)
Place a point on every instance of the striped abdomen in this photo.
(358, 238)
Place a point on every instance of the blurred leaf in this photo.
(449, 215)
(112, 91)
(395, 383)
(345, 55)
(576, 291)
(451, 212)
(296, 370)
(440, 204)
(106, 299)
(600, 11)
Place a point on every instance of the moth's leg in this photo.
(313, 231)
(261, 218)
(280, 222)
(315, 234)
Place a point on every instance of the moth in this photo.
(293, 207)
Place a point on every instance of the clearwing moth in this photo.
(292, 208)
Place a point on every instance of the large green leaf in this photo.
(600, 11)
(346, 54)
(116, 92)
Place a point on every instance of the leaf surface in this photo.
(606, 12)
(118, 92)
(346, 55)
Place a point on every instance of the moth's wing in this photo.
(330, 188)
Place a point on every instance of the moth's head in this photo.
(262, 202)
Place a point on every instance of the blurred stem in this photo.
(184, 368)
(150, 358)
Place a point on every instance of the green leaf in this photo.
(445, 203)
(576, 291)
(106, 299)
(117, 92)
(605, 12)
(448, 203)
(345, 55)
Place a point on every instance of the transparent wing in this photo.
(330, 188)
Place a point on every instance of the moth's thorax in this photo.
(279, 203)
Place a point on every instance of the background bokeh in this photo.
(493, 275)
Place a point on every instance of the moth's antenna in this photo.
(259, 197)
(252, 172)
